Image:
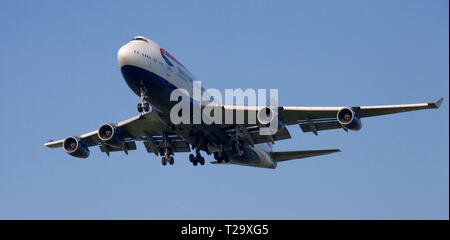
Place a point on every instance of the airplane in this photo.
(152, 73)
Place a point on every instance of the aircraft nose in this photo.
(124, 55)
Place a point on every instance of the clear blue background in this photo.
(59, 76)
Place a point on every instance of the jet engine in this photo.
(266, 115)
(270, 119)
(349, 119)
(75, 148)
(109, 135)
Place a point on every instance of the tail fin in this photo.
(284, 156)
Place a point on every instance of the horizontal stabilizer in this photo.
(284, 156)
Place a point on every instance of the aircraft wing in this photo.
(145, 127)
(148, 128)
(294, 114)
(89, 139)
(313, 119)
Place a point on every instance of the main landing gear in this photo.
(166, 151)
(238, 148)
(221, 156)
(197, 158)
(143, 105)
(166, 159)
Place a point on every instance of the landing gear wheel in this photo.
(171, 161)
(163, 161)
(146, 107)
(225, 158)
(191, 158)
(139, 107)
(195, 162)
(201, 161)
(217, 157)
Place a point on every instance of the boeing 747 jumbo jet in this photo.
(153, 74)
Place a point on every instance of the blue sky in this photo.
(59, 76)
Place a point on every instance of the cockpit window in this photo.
(140, 39)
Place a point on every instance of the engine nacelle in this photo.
(75, 148)
(349, 119)
(109, 135)
(267, 117)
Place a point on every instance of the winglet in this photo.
(437, 104)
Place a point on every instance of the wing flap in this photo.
(125, 147)
(317, 125)
(282, 134)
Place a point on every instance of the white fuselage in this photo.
(145, 55)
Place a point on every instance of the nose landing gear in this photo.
(143, 105)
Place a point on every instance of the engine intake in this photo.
(109, 135)
(75, 148)
(265, 115)
(270, 120)
(349, 119)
